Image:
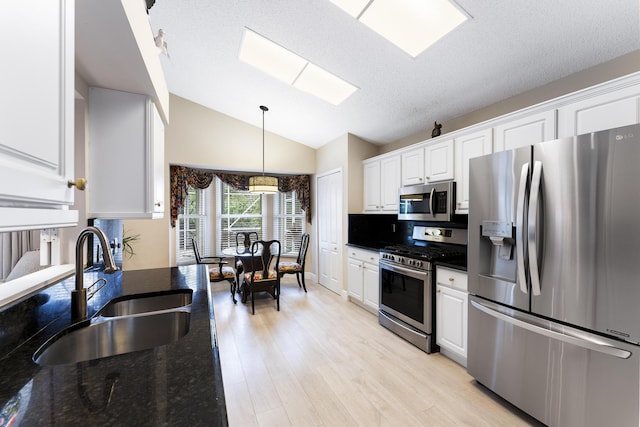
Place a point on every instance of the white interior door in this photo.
(329, 203)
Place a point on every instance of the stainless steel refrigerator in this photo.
(554, 278)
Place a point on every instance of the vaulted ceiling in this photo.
(506, 48)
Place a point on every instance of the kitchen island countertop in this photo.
(175, 384)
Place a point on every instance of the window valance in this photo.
(183, 177)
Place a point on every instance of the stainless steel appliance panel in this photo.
(560, 375)
(583, 231)
(427, 202)
(406, 294)
(498, 193)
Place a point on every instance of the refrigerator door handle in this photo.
(578, 338)
(522, 194)
(532, 227)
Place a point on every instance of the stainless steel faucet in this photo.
(79, 295)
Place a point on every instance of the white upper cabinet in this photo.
(467, 147)
(526, 131)
(115, 49)
(36, 114)
(609, 110)
(413, 167)
(126, 156)
(381, 183)
(438, 161)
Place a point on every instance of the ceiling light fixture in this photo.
(263, 184)
(278, 62)
(412, 25)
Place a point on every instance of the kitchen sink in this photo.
(147, 302)
(104, 336)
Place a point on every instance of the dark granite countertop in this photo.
(175, 384)
(456, 264)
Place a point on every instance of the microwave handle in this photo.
(432, 201)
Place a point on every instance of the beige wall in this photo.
(200, 137)
(618, 67)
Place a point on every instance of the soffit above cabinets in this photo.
(115, 49)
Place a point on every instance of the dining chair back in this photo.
(261, 271)
(297, 267)
(219, 271)
(244, 240)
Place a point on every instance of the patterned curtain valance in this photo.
(183, 177)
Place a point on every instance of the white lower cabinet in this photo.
(451, 314)
(363, 278)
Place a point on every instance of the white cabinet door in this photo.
(438, 161)
(363, 277)
(126, 156)
(610, 110)
(355, 284)
(371, 285)
(526, 131)
(157, 156)
(329, 203)
(451, 321)
(372, 186)
(381, 182)
(37, 109)
(389, 183)
(467, 147)
(413, 167)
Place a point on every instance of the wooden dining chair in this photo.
(219, 273)
(297, 267)
(261, 271)
(244, 240)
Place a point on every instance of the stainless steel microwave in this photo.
(427, 202)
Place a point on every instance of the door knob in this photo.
(80, 184)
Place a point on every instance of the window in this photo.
(237, 211)
(272, 216)
(289, 221)
(193, 221)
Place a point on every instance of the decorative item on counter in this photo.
(436, 129)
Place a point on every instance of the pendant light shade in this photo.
(260, 183)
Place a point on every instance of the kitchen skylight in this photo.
(292, 69)
(412, 25)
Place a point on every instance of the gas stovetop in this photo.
(428, 253)
(451, 245)
(419, 257)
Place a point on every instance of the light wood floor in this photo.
(323, 361)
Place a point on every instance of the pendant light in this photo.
(263, 184)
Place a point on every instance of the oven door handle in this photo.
(416, 274)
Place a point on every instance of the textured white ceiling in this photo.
(507, 48)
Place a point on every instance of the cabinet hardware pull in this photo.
(158, 204)
(451, 279)
(80, 184)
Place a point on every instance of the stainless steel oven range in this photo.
(407, 285)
